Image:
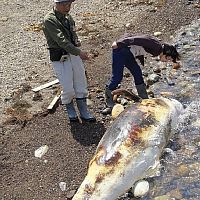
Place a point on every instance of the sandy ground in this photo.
(25, 65)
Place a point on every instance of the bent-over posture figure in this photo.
(124, 54)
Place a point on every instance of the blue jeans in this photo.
(122, 57)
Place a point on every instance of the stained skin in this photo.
(129, 149)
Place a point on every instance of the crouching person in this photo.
(125, 51)
(66, 57)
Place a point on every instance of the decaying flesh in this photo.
(129, 149)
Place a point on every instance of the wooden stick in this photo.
(127, 94)
(52, 104)
(45, 85)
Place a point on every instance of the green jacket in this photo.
(59, 31)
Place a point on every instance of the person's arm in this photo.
(59, 38)
(141, 59)
(73, 31)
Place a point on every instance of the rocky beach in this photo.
(26, 124)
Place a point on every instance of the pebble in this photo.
(187, 46)
(117, 109)
(182, 170)
(176, 65)
(141, 188)
(157, 33)
(197, 123)
(90, 102)
(70, 194)
(4, 19)
(153, 78)
(163, 197)
(37, 96)
(41, 151)
(157, 69)
(107, 111)
(176, 193)
(62, 186)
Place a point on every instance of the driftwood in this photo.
(127, 94)
(45, 85)
(54, 101)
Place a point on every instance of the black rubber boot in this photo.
(84, 113)
(109, 98)
(142, 92)
(71, 112)
(109, 102)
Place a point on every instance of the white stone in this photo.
(124, 101)
(62, 186)
(197, 123)
(141, 188)
(157, 33)
(41, 151)
(117, 109)
(164, 197)
(128, 25)
(89, 102)
(187, 46)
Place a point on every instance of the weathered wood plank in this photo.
(52, 104)
(45, 85)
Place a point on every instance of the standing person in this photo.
(66, 56)
(124, 54)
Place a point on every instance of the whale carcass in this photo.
(129, 149)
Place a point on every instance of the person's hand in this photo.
(84, 55)
(114, 45)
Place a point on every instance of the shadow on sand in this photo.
(87, 133)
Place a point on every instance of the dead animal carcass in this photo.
(129, 149)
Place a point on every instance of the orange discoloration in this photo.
(101, 151)
(134, 135)
(150, 104)
(88, 189)
(160, 102)
(128, 142)
(100, 178)
(113, 160)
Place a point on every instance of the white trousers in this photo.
(71, 75)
